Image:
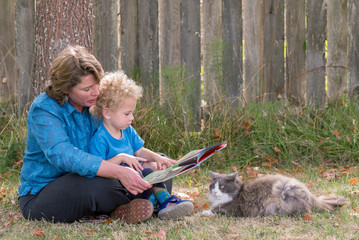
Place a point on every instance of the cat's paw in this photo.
(208, 213)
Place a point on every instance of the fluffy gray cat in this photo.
(265, 196)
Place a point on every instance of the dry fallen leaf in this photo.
(5, 225)
(253, 172)
(217, 133)
(196, 207)
(353, 180)
(246, 126)
(307, 217)
(160, 235)
(38, 232)
(356, 209)
(330, 174)
(270, 162)
(337, 134)
(14, 217)
(194, 194)
(205, 206)
(89, 232)
(234, 168)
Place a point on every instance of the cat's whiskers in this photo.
(216, 196)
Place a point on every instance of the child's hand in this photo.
(132, 161)
(163, 162)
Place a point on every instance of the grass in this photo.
(342, 224)
(12, 135)
(318, 147)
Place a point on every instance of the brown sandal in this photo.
(138, 210)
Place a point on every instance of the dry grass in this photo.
(257, 136)
(343, 224)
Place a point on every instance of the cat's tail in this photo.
(329, 202)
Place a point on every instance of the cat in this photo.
(265, 196)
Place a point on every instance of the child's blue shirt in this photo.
(105, 146)
(57, 143)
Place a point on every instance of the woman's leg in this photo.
(72, 197)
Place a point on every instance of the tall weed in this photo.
(259, 133)
(255, 134)
(12, 136)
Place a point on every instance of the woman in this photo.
(60, 180)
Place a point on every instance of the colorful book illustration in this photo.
(191, 160)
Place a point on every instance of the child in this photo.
(116, 105)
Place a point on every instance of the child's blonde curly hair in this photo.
(113, 87)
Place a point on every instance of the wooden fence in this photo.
(304, 52)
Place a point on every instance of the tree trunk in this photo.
(57, 25)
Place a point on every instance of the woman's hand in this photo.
(129, 178)
(133, 181)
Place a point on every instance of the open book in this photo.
(189, 161)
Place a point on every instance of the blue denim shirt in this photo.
(57, 143)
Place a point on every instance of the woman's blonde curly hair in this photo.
(113, 87)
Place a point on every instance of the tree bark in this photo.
(59, 24)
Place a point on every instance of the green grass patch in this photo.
(341, 224)
(318, 147)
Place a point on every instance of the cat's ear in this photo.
(213, 174)
(233, 175)
(238, 181)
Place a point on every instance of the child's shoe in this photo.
(174, 207)
(138, 210)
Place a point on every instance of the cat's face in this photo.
(223, 185)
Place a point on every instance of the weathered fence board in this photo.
(264, 50)
(273, 49)
(212, 51)
(295, 53)
(337, 36)
(128, 39)
(253, 43)
(170, 50)
(24, 32)
(315, 73)
(7, 51)
(148, 49)
(105, 34)
(232, 51)
(191, 62)
(162, 36)
(353, 81)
